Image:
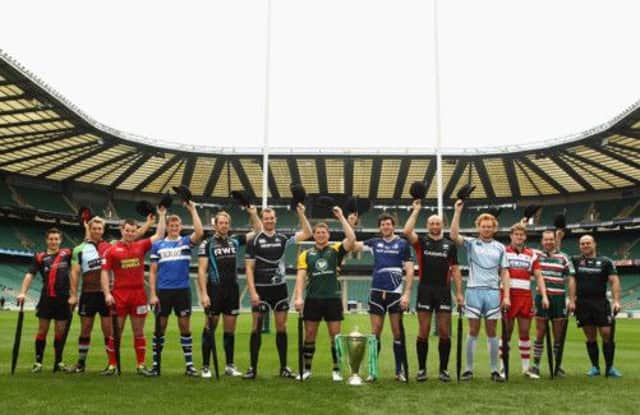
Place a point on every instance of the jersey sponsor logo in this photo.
(434, 253)
(224, 251)
(130, 263)
(322, 264)
(380, 245)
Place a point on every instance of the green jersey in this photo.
(555, 267)
(322, 270)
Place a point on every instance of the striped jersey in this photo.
(173, 257)
(522, 265)
(555, 267)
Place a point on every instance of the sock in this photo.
(397, 354)
(422, 349)
(538, 347)
(41, 342)
(444, 349)
(187, 348)
(157, 344)
(493, 353)
(525, 352)
(206, 347)
(308, 350)
(83, 349)
(58, 347)
(608, 350)
(254, 347)
(229, 341)
(472, 342)
(281, 344)
(379, 345)
(111, 351)
(140, 345)
(592, 350)
(334, 355)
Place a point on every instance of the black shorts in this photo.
(274, 297)
(434, 298)
(225, 298)
(53, 308)
(318, 309)
(178, 300)
(593, 312)
(381, 302)
(91, 304)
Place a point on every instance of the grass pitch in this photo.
(89, 393)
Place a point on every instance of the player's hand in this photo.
(20, 299)
(506, 303)
(161, 210)
(255, 300)
(458, 205)
(205, 301)
(154, 300)
(416, 205)
(73, 300)
(404, 302)
(151, 219)
(352, 219)
(571, 307)
(108, 300)
(337, 212)
(616, 307)
(460, 300)
(559, 234)
(300, 209)
(545, 302)
(189, 205)
(299, 305)
(252, 210)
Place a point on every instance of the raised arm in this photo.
(409, 227)
(198, 230)
(162, 224)
(254, 221)
(454, 232)
(142, 230)
(305, 227)
(349, 233)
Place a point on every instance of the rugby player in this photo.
(588, 298)
(437, 259)
(556, 268)
(125, 259)
(488, 265)
(218, 285)
(523, 264)
(391, 255)
(318, 269)
(169, 285)
(267, 286)
(54, 265)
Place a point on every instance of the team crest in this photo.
(321, 264)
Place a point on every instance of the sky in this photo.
(343, 73)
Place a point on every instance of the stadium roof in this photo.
(43, 135)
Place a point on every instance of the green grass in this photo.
(90, 393)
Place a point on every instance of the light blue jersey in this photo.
(486, 259)
(173, 258)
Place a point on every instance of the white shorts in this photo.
(482, 302)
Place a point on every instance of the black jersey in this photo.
(592, 275)
(268, 254)
(223, 257)
(435, 259)
(54, 269)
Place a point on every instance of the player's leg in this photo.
(422, 343)
(557, 325)
(586, 320)
(84, 341)
(139, 341)
(182, 308)
(511, 318)
(604, 324)
(105, 325)
(255, 341)
(334, 328)
(230, 316)
(524, 343)
(211, 317)
(40, 342)
(166, 302)
(280, 317)
(395, 314)
(473, 311)
(377, 310)
(443, 318)
(62, 316)
(309, 346)
(538, 346)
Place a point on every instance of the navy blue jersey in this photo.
(388, 259)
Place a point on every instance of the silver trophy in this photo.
(355, 344)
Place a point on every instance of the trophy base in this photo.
(354, 380)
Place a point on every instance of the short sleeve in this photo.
(569, 266)
(535, 264)
(250, 253)
(240, 239)
(302, 260)
(453, 255)
(504, 262)
(369, 244)
(107, 260)
(610, 268)
(34, 266)
(75, 255)
(406, 252)
(154, 256)
(186, 240)
(202, 249)
(468, 241)
(290, 241)
(145, 244)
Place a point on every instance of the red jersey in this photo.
(127, 263)
(522, 265)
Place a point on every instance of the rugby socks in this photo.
(538, 347)
(206, 346)
(254, 347)
(83, 350)
(592, 350)
(379, 345)
(281, 344)
(525, 352)
(494, 346)
(140, 345)
(334, 354)
(111, 351)
(422, 349)
(444, 349)
(41, 342)
(157, 344)
(397, 354)
(608, 350)
(308, 350)
(187, 348)
(472, 343)
(228, 341)
(58, 347)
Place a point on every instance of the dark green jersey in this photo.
(592, 275)
(322, 270)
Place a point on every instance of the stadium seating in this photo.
(6, 195)
(44, 199)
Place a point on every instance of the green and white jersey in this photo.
(556, 268)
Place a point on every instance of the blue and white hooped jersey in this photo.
(486, 259)
(388, 260)
(173, 258)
